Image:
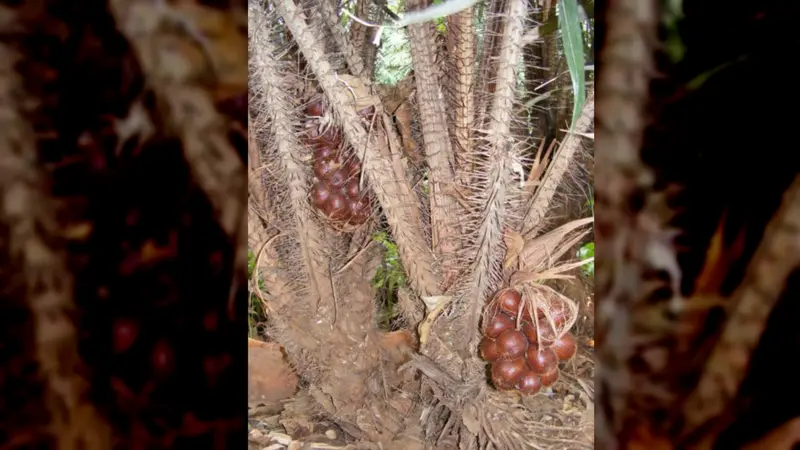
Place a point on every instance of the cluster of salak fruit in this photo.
(524, 353)
(337, 191)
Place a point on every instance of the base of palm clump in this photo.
(524, 348)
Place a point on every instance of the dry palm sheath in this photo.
(115, 251)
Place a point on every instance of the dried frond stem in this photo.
(540, 202)
(32, 227)
(462, 50)
(437, 145)
(777, 256)
(189, 107)
(487, 263)
(626, 67)
(277, 110)
(354, 61)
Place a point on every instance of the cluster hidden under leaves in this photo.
(337, 192)
(524, 358)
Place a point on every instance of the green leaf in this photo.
(572, 39)
(585, 252)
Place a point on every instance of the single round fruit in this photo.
(529, 330)
(211, 321)
(489, 350)
(315, 108)
(496, 323)
(337, 178)
(512, 344)
(550, 376)
(526, 312)
(332, 136)
(359, 210)
(541, 359)
(529, 383)
(505, 373)
(337, 206)
(125, 332)
(352, 190)
(565, 347)
(367, 112)
(323, 168)
(508, 300)
(559, 312)
(353, 167)
(163, 358)
(320, 194)
(324, 153)
(546, 333)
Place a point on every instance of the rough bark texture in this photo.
(625, 59)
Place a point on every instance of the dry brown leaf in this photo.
(397, 346)
(271, 379)
(360, 92)
(550, 246)
(514, 245)
(469, 415)
(403, 117)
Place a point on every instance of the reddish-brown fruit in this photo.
(353, 167)
(125, 333)
(496, 323)
(526, 312)
(214, 365)
(529, 330)
(337, 178)
(565, 347)
(508, 300)
(367, 112)
(352, 190)
(505, 373)
(359, 210)
(312, 135)
(324, 153)
(211, 321)
(541, 359)
(162, 358)
(559, 312)
(315, 108)
(546, 333)
(323, 168)
(320, 194)
(489, 349)
(512, 344)
(337, 207)
(330, 138)
(331, 135)
(550, 376)
(529, 383)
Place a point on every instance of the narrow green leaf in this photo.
(572, 38)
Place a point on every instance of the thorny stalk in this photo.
(32, 228)
(393, 193)
(437, 144)
(490, 200)
(540, 203)
(278, 112)
(188, 105)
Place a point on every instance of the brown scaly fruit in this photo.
(504, 344)
(337, 192)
